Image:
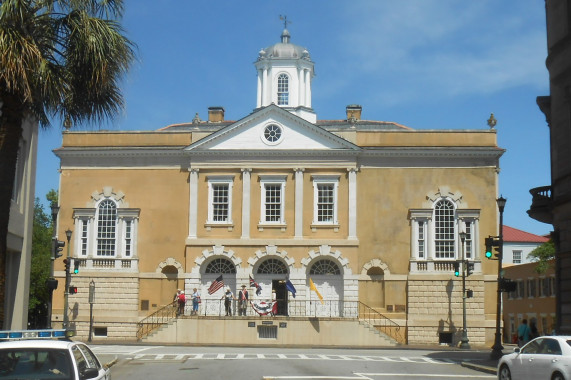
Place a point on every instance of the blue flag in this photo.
(290, 287)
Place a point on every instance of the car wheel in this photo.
(504, 373)
(557, 376)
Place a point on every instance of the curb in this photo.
(478, 367)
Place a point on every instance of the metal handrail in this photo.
(381, 322)
(156, 319)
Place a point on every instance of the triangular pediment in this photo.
(272, 129)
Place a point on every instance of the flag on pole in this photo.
(290, 287)
(254, 284)
(217, 284)
(312, 287)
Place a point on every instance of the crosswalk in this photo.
(272, 356)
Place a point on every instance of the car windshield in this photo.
(30, 363)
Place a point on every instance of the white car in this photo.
(24, 355)
(546, 357)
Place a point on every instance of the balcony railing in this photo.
(541, 201)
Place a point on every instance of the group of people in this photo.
(243, 298)
(180, 299)
(526, 332)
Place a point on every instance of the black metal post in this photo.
(68, 233)
(497, 347)
(91, 301)
(464, 341)
(51, 280)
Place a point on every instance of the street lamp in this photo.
(52, 282)
(68, 233)
(497, 347)
(91, 301)
(464, 341)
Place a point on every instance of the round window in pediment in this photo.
(272, 133)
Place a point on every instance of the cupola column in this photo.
(307, 84)
(259, 100)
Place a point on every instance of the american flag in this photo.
(254, 284)
(217, 284)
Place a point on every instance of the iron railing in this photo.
(156, 320)
(382, 323)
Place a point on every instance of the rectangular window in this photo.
(272, 199)
(468, 229)
(128, 237)
(421, 239)
(325, 199)
(531, 288)
(516, 257)
(552, 286)
(83, 229)
(520, 289)
(220, 199)
(444, 231)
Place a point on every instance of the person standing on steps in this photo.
(228, 297)
(243, 298)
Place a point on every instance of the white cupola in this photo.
(285, 72)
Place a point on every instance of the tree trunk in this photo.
(10, 135)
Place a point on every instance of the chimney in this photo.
(353, 112)
(215, 114)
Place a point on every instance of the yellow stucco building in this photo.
(370, 211)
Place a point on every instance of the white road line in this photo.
(424, 375)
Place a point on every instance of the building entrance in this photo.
(281, 296)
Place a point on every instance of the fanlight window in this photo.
(325, 267)
(272, 266)
(218, 266)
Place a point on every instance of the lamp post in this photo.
(52, 282)
(497, 347)
(68, 233)
(464, 341)
(91, 301)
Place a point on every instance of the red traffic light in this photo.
(72, 290)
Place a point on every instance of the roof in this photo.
(511, 234)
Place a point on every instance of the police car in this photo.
(47, 354)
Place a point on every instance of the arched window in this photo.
(272, 266)
(325, 267)
(444, 229)
(283, 89)
(220, 265)
(106, 228)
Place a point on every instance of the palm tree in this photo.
(58, 59)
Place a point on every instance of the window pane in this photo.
(283, 90)
(273, 202)
(220, 202)
(325, 202)
(444, 230)
(218, 266)
(272, 266)
(106, 228)
(325, 266)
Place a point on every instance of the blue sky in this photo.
(426, 64)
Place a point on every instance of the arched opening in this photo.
(272, 274)
(327, 276)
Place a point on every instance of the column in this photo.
(298, 203)
(300, 86)
(259, 99)
(246, 183)
(352, 203)
(265, 87)
(193, 208)
(308, 88)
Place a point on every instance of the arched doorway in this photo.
(272, 274)
(212, 304)
(328, 279)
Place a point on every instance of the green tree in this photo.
(59, 59)
(542, 255)
(40, 268)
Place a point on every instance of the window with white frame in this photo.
(106, 228)
(531, 288)
(520, 288)
(272, 199)
(220, 199)
(516, 257)
(325, 199)
(283, 89)
(435, 232)
(106, 231)
(444, 229)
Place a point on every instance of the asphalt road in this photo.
(177, 362)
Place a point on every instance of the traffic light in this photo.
(469, 268)
(57, 247)
(66, 263)
(492, 244)
(72, 290)
(469, 293)
(456, 269)
(76, 266)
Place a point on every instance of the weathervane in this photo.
(284, 18)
